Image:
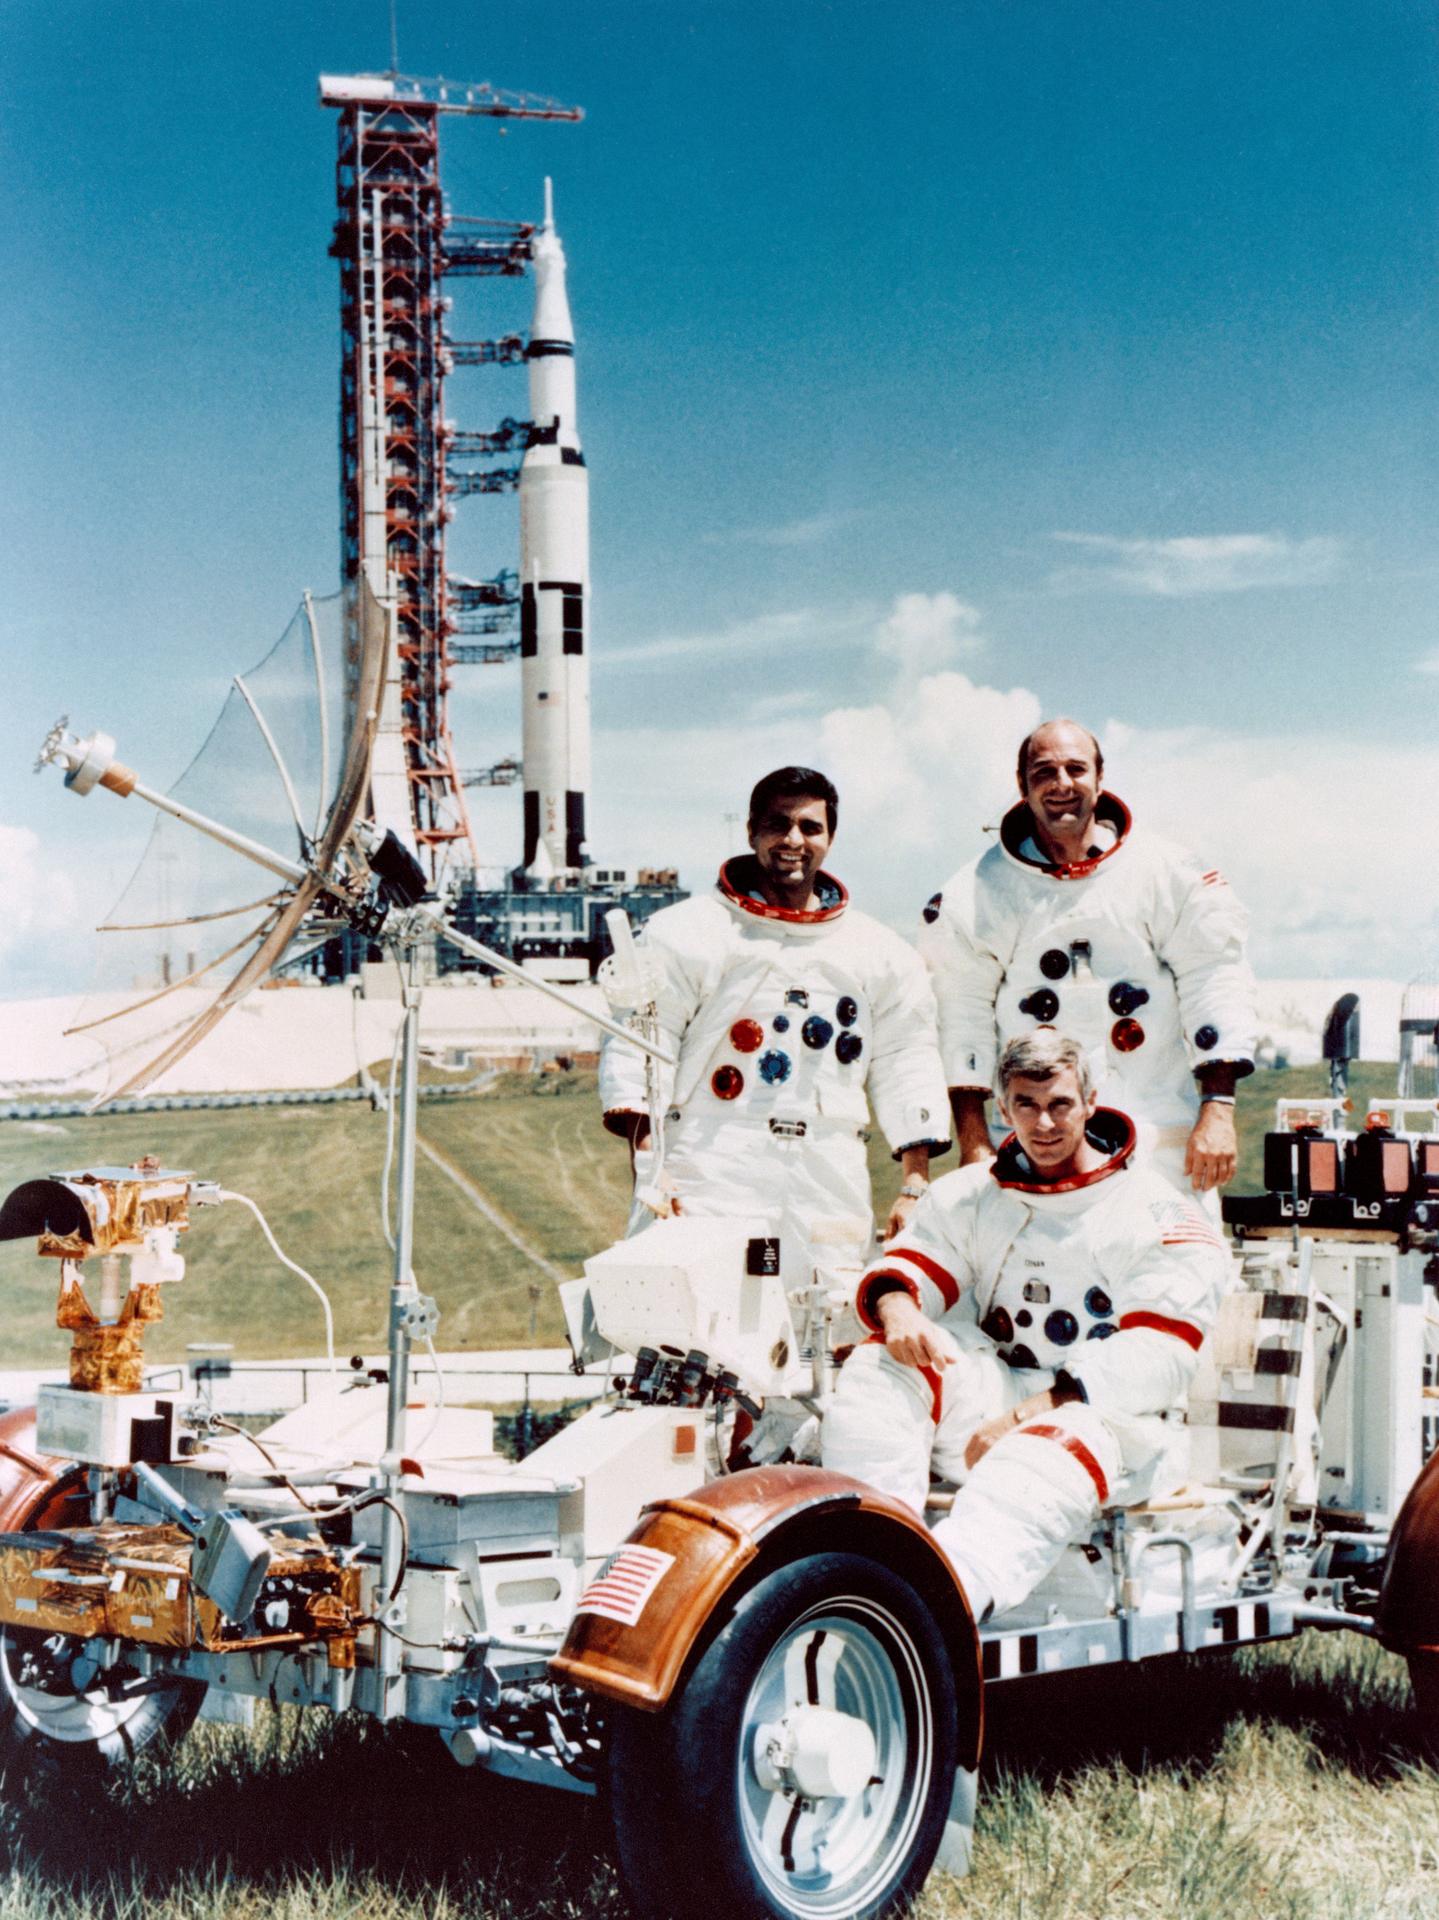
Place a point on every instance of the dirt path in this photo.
(484, 1205)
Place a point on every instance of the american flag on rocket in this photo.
(623, 1585)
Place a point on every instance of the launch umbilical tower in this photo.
(397, 243)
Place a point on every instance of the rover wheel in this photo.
(804, 1768)
(58, 1710)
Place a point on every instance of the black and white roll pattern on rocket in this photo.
(554, 582)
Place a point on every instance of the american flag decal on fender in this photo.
(622, 1587)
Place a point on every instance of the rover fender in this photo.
(34, 1489)
(718, 1542)
(1407, 1618)
(1408, 1614)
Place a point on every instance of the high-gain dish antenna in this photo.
(261, 850)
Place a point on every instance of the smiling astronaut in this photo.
(1080, 920)
(789, 1012)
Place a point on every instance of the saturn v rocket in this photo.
(554, 583)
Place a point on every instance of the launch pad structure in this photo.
(403, 466)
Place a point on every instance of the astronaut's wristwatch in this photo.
(913, 1188)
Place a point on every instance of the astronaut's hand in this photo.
(1212, 1153)
(901, 1207)
(912, 1338)
(983, 1438)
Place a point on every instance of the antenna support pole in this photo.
(410, 1314)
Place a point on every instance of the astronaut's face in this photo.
(1062, 779)
(790, 843)
(1049, 1117)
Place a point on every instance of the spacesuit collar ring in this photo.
(736, 879)
(1111, 1131)
(1018, 826)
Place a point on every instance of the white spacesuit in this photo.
(1136, 952)
(781, 1022)
(1102, 1287)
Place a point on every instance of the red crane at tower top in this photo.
(396, 243)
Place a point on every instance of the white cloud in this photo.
(808, 531)
(926, 631)
(1330, 889)
(41, 902)
(1214, 563)
(807, 625)
(1331, 892)
(1429, 664)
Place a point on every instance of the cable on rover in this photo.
(310, 1281)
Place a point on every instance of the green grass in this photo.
(1285, 1784)
(534, 1147)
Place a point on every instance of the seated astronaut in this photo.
(1034, 1332)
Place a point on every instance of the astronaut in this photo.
(1079, 919)
(1035, 1330)
(788, 1011)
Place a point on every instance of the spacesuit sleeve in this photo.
(966, 976)
(906, 1082)
(1203, 945)
(930, 1260)
(1167, 1276)
(680, 985)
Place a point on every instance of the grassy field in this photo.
(534, 1148)
(1277, 1785)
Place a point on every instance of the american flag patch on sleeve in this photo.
(622, 1587)
(1182, 1225)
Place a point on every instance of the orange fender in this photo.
(35, 1491)
(1407, 1618)
(729, 1535)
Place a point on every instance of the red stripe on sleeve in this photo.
(1181, 1329)
(931, 1269)
(1074, 1445)
(861, 1303)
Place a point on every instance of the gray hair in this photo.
(1042, 1054)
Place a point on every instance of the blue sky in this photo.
(940, 365)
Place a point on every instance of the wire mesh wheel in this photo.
(58, 1708)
